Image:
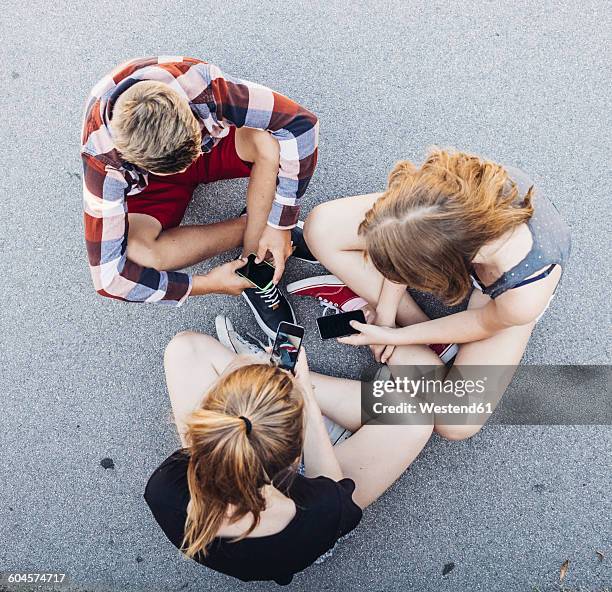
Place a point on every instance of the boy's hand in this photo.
(278, 242)
(225, 280)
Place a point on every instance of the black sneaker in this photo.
(270, 308)
(300, 248)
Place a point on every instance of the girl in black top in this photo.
(231, 498)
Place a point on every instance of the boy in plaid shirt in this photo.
(154, 129)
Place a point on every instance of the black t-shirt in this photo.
(325, 511)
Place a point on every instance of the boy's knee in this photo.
(145, 253)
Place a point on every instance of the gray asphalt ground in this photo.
(526, 83)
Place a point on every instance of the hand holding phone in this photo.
(222, 280)
(287, 345)
(338, 325)
(259, 274)
(302, 374)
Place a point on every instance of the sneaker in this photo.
(330, 291)
(446, 351)
(270, 308)
(337, 433)
(300, 248)
(231, 339)
(333, 293)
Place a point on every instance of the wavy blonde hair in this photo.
(228, 467)
(427, 227)
(154, 128)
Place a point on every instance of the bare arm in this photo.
(262, 149)
(221, 280)
(519, 306)
(319, 455)
(390, 296)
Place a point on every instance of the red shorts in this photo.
(166, 198)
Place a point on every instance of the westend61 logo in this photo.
(472, 395)
(423, 397)
(428, 386)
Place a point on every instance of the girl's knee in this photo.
(184, 345)
(457, 432)
(423, 432)
(317, 224)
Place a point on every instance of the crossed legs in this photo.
(331, 233)
(175, 248)
(374, 456)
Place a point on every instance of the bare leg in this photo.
(176, 248)
(331, 233)
(375, 456)
(503, 350)
(192, 362)
(339, 399)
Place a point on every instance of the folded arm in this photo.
(243, 103)
(106, 227)
(519, 306)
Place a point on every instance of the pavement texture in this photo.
(525, 83)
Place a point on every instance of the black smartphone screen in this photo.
(259, 274)
(287, 345)
(337, 325)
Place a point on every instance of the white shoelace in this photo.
(254, 349)
(255, 341)
(271, 296)
(328, 305)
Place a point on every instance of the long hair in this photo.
(228, 467)
(430, 223)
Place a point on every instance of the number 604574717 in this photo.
(33, 578)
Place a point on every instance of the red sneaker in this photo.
(330, 291)
(446, 351)
(333, 293)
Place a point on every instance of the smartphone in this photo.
(287, 345)
(337, 325)
(259, 274)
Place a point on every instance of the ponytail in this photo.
(247, 433)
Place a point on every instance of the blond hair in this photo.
(230, 458)
(154, 128)
(430, 223)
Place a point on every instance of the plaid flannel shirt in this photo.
(218, 101)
